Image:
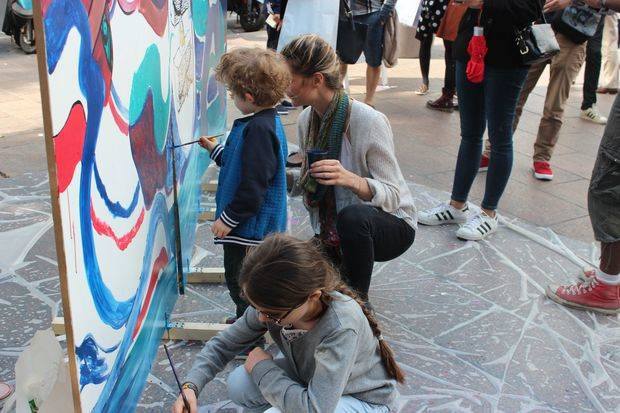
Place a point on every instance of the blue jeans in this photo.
(243, 391)
(491, 102)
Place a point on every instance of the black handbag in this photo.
(537, 43)
(578, 23)
(351, 35)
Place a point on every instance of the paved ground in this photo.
(468, 320)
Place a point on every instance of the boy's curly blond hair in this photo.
(261, 73)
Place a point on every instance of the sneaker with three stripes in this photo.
(478, 227)
(443, 214)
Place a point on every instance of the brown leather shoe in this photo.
(603, 90)
(444, 103)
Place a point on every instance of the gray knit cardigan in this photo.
(372, 146)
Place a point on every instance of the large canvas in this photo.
(122, 81)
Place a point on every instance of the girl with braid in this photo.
(335, 358)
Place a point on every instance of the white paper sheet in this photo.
(310, 17)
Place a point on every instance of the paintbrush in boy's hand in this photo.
(212, 138)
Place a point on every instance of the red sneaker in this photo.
(591, 294)
(484, 163)
(543, 171)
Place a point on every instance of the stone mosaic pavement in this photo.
(468, 321)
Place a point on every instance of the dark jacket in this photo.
(251, 193)
(499, 18)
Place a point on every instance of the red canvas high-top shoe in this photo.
(591, 294)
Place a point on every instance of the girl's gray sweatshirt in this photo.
(338, 357)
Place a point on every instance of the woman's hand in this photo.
(207, 143)
(220, 229)
(179, 406)
(331, 172)
(555, 5)
(473, 4)
(256, 356)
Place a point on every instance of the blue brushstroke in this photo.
(113, 393)
(115, 207)
(117, 100)
(61, 17)
(93, 366)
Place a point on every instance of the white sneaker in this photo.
(478, 227)
(443, 214)
(592, 115)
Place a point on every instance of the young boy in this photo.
(251, 193)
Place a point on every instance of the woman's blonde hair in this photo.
(310, 54)
(261, 73)
(283, 272)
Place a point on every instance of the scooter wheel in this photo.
(26, 38)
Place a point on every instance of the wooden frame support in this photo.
(207, 214)
(210, 186)
(205, 275)
(177, 330)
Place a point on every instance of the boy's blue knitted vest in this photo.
(272, 214)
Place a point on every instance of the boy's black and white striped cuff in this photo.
(227, 220)
(217, 152)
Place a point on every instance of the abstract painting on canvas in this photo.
(122, 82)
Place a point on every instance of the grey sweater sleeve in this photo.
(222, 348)
(382, 165)
(334, 359)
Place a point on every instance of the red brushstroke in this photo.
(156, 15)
(151, 165)
(104, 229)
(160, 262)
(68, 145)
(123, 126)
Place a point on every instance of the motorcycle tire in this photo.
(25, 38)
(254, 20)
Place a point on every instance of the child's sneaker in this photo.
(543, 171)
(591, 294)
(443, 214)
(478, 227)
(484, 163)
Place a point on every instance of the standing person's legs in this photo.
(373, 53)
(564, 69)
(233, 259)
(426, 44)
(593, 67)
(373, 75)
(445, 102)
(449, 77)
(609, 78)
(273, 35)
(473, 123)
(501, 93)
(533, 75)
(601, 292)
(369, 234)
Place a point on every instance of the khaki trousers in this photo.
(564, 69)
